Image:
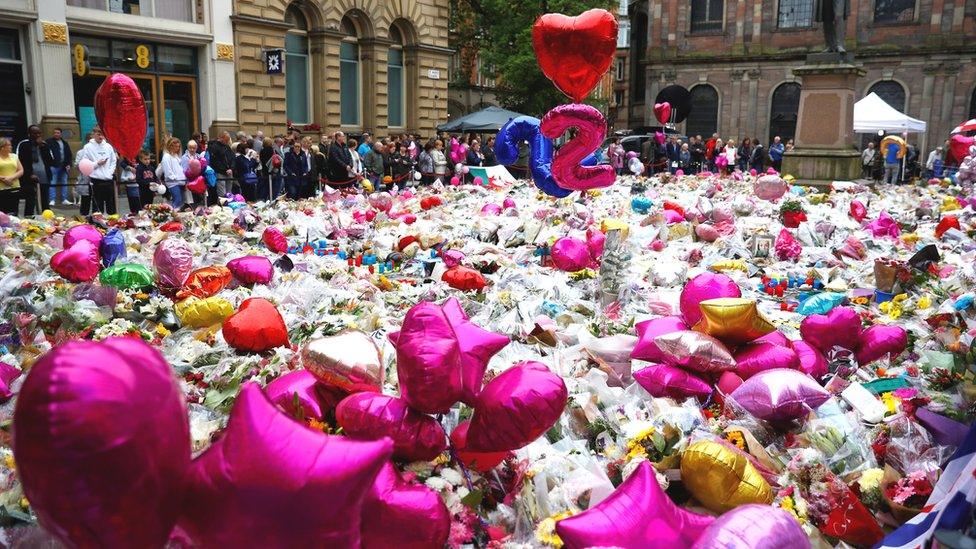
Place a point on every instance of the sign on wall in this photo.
(273, 61)
(433, 74)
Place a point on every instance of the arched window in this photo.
(638, 55)
(972, 105)
(297, 67)
(349, 75)
(783, 109)
(395, 81)
(703, 119)
(892, 92)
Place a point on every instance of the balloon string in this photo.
(464, 472)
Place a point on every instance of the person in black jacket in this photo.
(339, 162)
(222, 162)
(61, 153)
(245, 172)
(35, 157)
(401, 165)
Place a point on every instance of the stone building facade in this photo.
(737, 56)
(355, 65)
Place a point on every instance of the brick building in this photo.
(737, 56)
(353, 65)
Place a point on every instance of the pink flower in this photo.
(905, 393)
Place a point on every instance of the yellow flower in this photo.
(870, 479)
(885, 307)
(900, 297)
(8, 461)
(788, 505)
(161, 330)
(24, 503)
(545, 532)
(861, 301)
(891, 402)
(924, 302)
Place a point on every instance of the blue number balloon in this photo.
(526, 128)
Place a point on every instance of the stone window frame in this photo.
(777, 28)
(904, 87)
(708, 31)
(873, 21)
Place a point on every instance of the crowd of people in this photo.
(694, 154)
(889, 167)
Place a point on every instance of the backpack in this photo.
(210, 176)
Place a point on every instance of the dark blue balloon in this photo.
(592, 160)
(526, 128)
(112, 247)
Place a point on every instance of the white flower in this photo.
(437, 483)
(452, 476)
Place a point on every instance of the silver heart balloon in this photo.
(349, 360)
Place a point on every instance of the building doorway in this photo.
(13, 105)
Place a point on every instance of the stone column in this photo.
(946, 120)
(373, 57)
(734, 103)
(326, 88)
(218, 109)
(49, 76)
(927, 84)
(752, 114)
(825, 149)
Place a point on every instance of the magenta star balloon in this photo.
(647, 330)
(780, 394)
(272, 482)
(398, 514)
(102, 443)
(516, 408)
(750, 526)
(637, 514)
(371, 416)
(428, 360)
(477, 347)
(296, 388)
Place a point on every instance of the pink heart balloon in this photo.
(595, 240)
(516, 408)
(647, 330)
(812, 361)
(770, 187)
(101, 437)
(428, 358)
(702, 287)
(296, 394)
(570, 254)
(271, 482)
(884, 226)
(173, 262)
(663, 380)
(780, 394)
(79, 263)
(752, 525)
(662, 111)
(275, 240)
(372, 416)
(403, 515)
(477, 346)
(637, 514)
(251, 269)
(880, 341)
(753, 358)
(841, 327)
(82, 232)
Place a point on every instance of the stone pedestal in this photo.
(825, 149)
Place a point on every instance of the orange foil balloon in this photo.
(121, 112)
(349, 360)
(733, 320)
(205, 282)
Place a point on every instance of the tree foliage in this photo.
(501, 33)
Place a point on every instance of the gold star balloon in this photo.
(733, 320)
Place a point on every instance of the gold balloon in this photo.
(611, 223)
(349, 360)
(200, 313)
(722, 478)
(733, 320)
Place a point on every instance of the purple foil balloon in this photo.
(82, 232)
(812, 361)
(637, 514)
(694, 351)
(428, 360)
(702, 287)
(398, 514)
(662, 380)
(753, 358)
(751, 526)
(8, 374)
(299, 385)
(112, 247)
(570, 254)
(173, 262)
(372, 416)
(272, 482)
(647, 330)
(880, 341)
(251, 269)
(477, 346)
(780, 394)
(102, 443)
(841, 327)
(516, 408)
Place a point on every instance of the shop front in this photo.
(13, 103)
(166, 74)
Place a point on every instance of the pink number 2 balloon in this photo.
(566, 168)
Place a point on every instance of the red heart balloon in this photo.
(959, 146)
(121, 112)
(575, 52)
(662, 111)
(256, 327)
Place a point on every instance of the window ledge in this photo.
(695, 34)
(873, 24)
(796, 29)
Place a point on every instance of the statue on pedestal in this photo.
(833, 14)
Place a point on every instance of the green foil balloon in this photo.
(127, 275)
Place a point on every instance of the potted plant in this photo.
(792, 214)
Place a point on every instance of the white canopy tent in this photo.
(872, 114)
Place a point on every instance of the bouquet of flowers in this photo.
(906, 495)
(792, 213)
